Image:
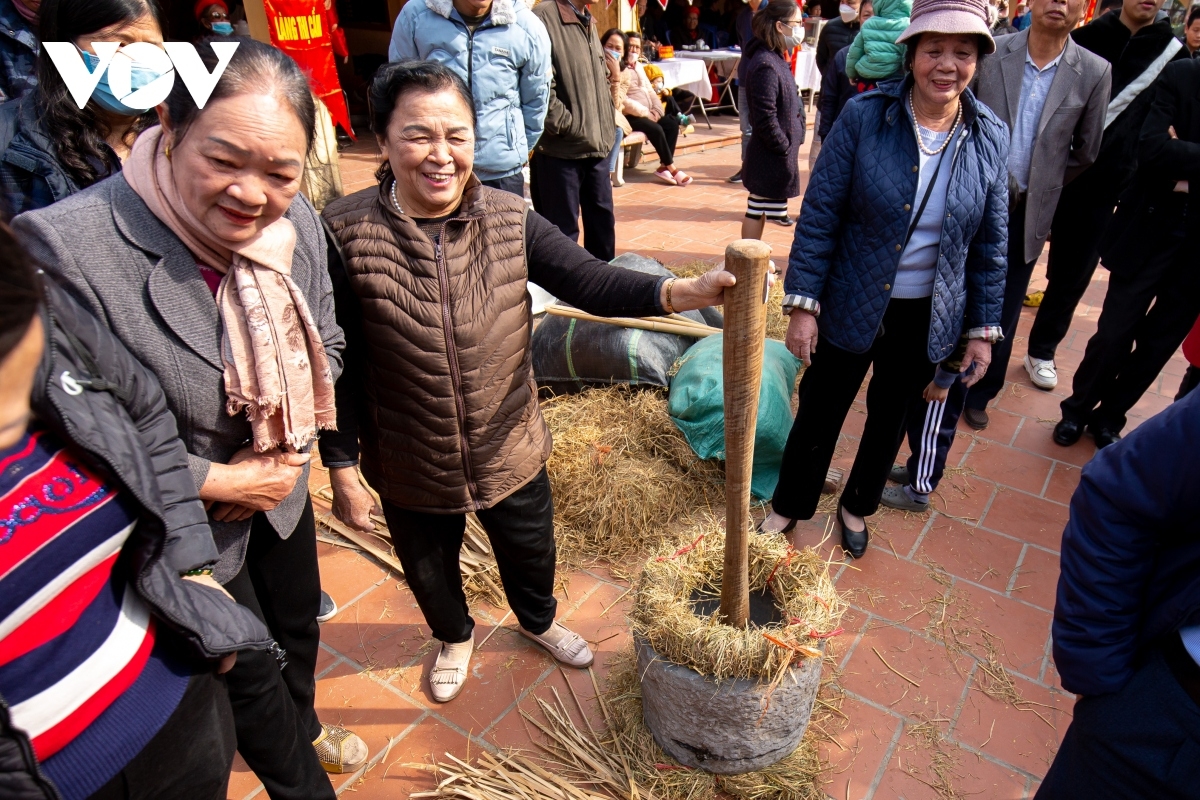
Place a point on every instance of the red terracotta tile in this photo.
(1002, 427)
(600, 619)
(1037, 578)
(1026, 735)
(1063, 481)
(910, 774)
(1021, 631)
(384, 630)
(392, 777)
(1007, 466)
(896, 532)
(370, 709)
(918, 660)
(972, 553)
(962, 495)
(1033, 403)
(887, 586)
(500, 672)
(242, 780)
(346, 574)
(1038, 438)
(858, 749)
(1025, 517)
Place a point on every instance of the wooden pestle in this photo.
(744, 338)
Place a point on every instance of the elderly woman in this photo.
(771, 168)
(901, 248)
(203, 260)
(432, 294)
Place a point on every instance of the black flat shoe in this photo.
(977, 418)
(1067, 432)
(1103, 436)
(786, 221)
(853, 542)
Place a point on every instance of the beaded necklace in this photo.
(917, 129)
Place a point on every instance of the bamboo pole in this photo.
(745, 333)
(659, 324)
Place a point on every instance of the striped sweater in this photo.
(79, 665)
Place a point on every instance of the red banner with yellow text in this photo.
(305, 30)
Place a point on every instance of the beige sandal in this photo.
(340, 750)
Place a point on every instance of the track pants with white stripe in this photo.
(931, 429)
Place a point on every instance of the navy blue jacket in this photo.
(836, 91)
(19, 48)
(857, 211)
(1130, 552)
(771, 168)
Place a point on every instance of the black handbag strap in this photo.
(912, 227)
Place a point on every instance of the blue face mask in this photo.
(139, 76)
(222, 28)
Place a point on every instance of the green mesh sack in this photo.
(697, 406)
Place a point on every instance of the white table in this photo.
(807, 74)
(725, 61)
(686, 73)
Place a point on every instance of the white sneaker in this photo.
(1042, 373)
(449, 672)
(565, 645)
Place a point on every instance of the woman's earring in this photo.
(167, 151)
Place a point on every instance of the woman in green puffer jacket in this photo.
(874, 54)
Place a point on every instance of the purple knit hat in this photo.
(950, 16)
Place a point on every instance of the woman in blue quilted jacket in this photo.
(900, 248)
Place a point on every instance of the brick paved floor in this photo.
(984, 564)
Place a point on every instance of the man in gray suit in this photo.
(1053, 94)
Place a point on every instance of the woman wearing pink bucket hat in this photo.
(898, 263)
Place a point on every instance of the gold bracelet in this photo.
(670, 307)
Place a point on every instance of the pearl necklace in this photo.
(396, 202)
(917, 129)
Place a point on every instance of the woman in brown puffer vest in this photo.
(430, 285)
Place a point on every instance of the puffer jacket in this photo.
(579, 118)
(505, 62)
(94, 394)
(450, 422)
(874, 54)
(21, 776)
(857, 211)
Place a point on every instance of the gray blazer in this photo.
(127, 268)
(1069, 132)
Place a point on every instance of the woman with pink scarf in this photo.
(206, 263)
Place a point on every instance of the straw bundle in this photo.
(621, 474)
(798, 581)
(776, 322)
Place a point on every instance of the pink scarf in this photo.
(275, 364)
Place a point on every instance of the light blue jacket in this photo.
(506, 62)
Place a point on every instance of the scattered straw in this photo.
(776, 322)
(799, 583)
(621, 474)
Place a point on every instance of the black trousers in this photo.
(1140, 742)
(899, 356)
(513, 184)
(1084, 211)
(273, 708)
(563, 188)
(521, 530)
(1146, 315)
(190, 757)
(1015, 285)
(662, 134)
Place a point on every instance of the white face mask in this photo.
(847, 13)
(793, 35)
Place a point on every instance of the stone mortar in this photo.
(721, 726)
